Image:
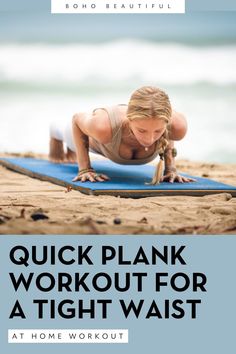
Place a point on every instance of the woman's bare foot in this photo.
(70, 156)
(56, 151)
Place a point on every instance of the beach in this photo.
(71, 212)
(54, 66)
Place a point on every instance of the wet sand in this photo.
(71, 212)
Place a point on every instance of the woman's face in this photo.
(148, 130)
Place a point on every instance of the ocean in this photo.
(54, 66)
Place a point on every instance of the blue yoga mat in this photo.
(126, 181)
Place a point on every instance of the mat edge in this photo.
(122, 193)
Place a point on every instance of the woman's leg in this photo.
(70, 155)
(70, 146)
(56, 149)
(60, 134)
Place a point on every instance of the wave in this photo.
(105, 87)
(120, 63)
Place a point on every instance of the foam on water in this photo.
(40, 83)
(116, 63)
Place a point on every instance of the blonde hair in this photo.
(152, 102)
(149, 102)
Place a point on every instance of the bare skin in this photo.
(57, 153)
(139, 139)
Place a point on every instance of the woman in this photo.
(126, 134)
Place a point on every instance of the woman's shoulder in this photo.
(121, 107)
(112, 115)
(178, 126)
(94, 124)
(101, 126)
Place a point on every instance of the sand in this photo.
(75, 213)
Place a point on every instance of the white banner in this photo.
(53, 336)
(117, 6)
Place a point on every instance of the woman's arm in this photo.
(81, 141)
(177, 132)
(170, 172)
(84, 126)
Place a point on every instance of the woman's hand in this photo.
(173, 176)
(90, 176)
